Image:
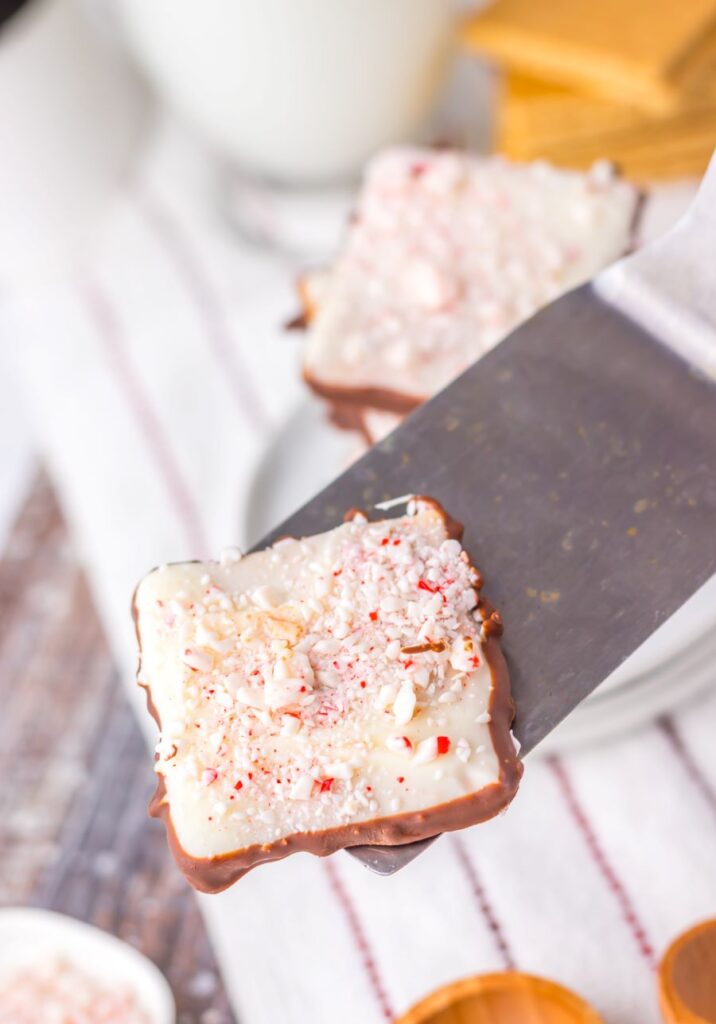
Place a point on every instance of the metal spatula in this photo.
(581, 456)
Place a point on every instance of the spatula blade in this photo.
(581, 456)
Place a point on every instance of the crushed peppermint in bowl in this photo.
(56, 970)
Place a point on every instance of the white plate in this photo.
(29, 936)
(675, 662)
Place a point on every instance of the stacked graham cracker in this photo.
(633, 81)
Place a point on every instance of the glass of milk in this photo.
(298, 93)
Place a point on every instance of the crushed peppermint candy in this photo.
(446, 253)
(431, 748)
(229, 556)
(399, 744)
(54, 991)
(306, 687)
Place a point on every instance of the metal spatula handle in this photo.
(669, 287)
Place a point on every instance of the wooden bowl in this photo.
(687, 977)
(505, 998)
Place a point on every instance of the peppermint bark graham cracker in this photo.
(446, 254)
(341, 690)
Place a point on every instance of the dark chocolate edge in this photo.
(641, 196)
(349, 417)
(299, 322)
(214, 874)
(384, 399)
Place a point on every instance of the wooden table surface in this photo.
(77, 776)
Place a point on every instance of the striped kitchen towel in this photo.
(155, 373)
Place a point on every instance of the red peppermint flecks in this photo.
(423, 585)
(239, 785)
(373, 616)
(443, 744)
(385, 540)
(326, 785)
(401, 778)
(363, 684)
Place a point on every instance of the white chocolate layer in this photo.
(446, 255)
(287, 699)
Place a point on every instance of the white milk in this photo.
(299, 91)
(72, 111)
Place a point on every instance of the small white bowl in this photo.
(28, 936)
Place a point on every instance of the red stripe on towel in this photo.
(360, 941)
(187, 264)
(607, 870)
(109, 331)
(483, 903)
(684, 755)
